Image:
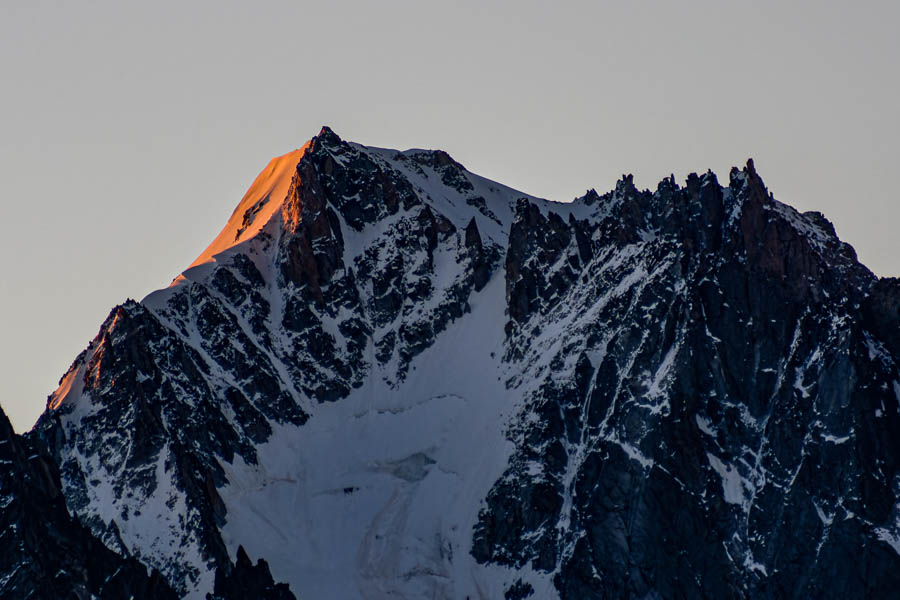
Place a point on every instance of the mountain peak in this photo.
(375, 330)
(328, 136)
(261, 201)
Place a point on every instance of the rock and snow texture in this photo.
(391, 378)
(46, 553)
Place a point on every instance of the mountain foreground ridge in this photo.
(390, 377)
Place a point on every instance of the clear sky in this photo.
(129, 131)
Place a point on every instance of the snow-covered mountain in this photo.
(391, 378)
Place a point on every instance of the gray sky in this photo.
(129, 131)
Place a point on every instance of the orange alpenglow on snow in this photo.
(263, 199)
(256, 207)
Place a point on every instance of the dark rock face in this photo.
(518, 591)
(535, 243)
(247, 581)
(727, 428)
(46, 553)
(706, 381)
(881, 312)
(142, 369)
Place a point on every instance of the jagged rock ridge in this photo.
(390, 376)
